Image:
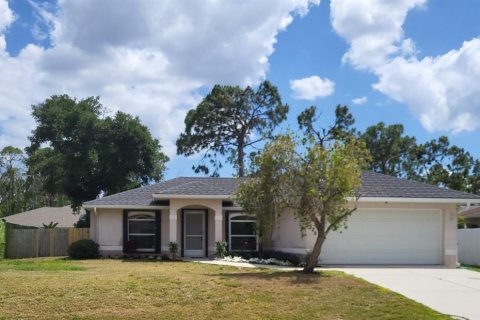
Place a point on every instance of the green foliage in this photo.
(435, 162)
(390, 150)
(12, 181)
(221, 250)
(51, 225)
(173, 249)
(84, 249)
(224, 123)
(81, 154)
(2, 239)
(315, 175)
(83, 221)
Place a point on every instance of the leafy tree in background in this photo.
(81, 154)
(390, 149)
(435, 162)
(227, 122)
(12, 180)
(341, 130)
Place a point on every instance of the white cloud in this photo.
(311, 88)
(360, 101)
(442, 91)
(143, 57)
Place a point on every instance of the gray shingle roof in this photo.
(374, 185)
(64, 216)
(380, 185)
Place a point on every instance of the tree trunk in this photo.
(241, 156)
(312, 260)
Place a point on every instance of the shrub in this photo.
(84, 249)
(221, 249)
(284, 256)
(173, 249)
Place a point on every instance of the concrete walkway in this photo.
(454, 292)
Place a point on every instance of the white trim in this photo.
(111, 248)
(414, 200)
(191, 196)
(232, 208)
(123, 206)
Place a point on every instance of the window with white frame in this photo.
(242, 233)
(141, 231)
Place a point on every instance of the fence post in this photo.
(5, 249)
(37, 243)
(51, 235)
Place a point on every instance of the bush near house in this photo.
(84, 249)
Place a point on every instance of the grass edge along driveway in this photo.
(53, 288)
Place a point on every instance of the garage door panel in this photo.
(387, 237)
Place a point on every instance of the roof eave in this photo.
(162, 196)
(416, 200)
(123, 206)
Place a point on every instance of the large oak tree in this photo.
(81, 153)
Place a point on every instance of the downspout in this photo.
(96, 225)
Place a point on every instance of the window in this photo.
(141, 231)
(243, 233)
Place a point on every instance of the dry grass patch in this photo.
(109, 289)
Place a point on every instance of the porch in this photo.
(194, 224)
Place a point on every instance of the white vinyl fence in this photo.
(469, 246)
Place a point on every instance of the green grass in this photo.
(473, 268)
(115, 289)
(40, 264)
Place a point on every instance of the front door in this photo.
(194, 233)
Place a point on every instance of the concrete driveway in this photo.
(451, 291)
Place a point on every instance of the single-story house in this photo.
(471, 216)
(36, 218)
(397, 222)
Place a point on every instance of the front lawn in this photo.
(180, 290)
(473, 268)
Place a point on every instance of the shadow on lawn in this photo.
(149, 260)
(295, 277)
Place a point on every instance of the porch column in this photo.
(173, 225)
(218, 225)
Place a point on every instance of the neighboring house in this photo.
(397, 222)
(38, 217)
(471, 216)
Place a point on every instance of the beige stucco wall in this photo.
(107, 230)
(215, 219)
(288, 235)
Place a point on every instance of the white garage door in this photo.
(387, 237)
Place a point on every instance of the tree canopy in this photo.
(227, 122)
(315, 175)
(81, 153)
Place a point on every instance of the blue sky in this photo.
(413, 62)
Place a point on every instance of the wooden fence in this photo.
(31, 243)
